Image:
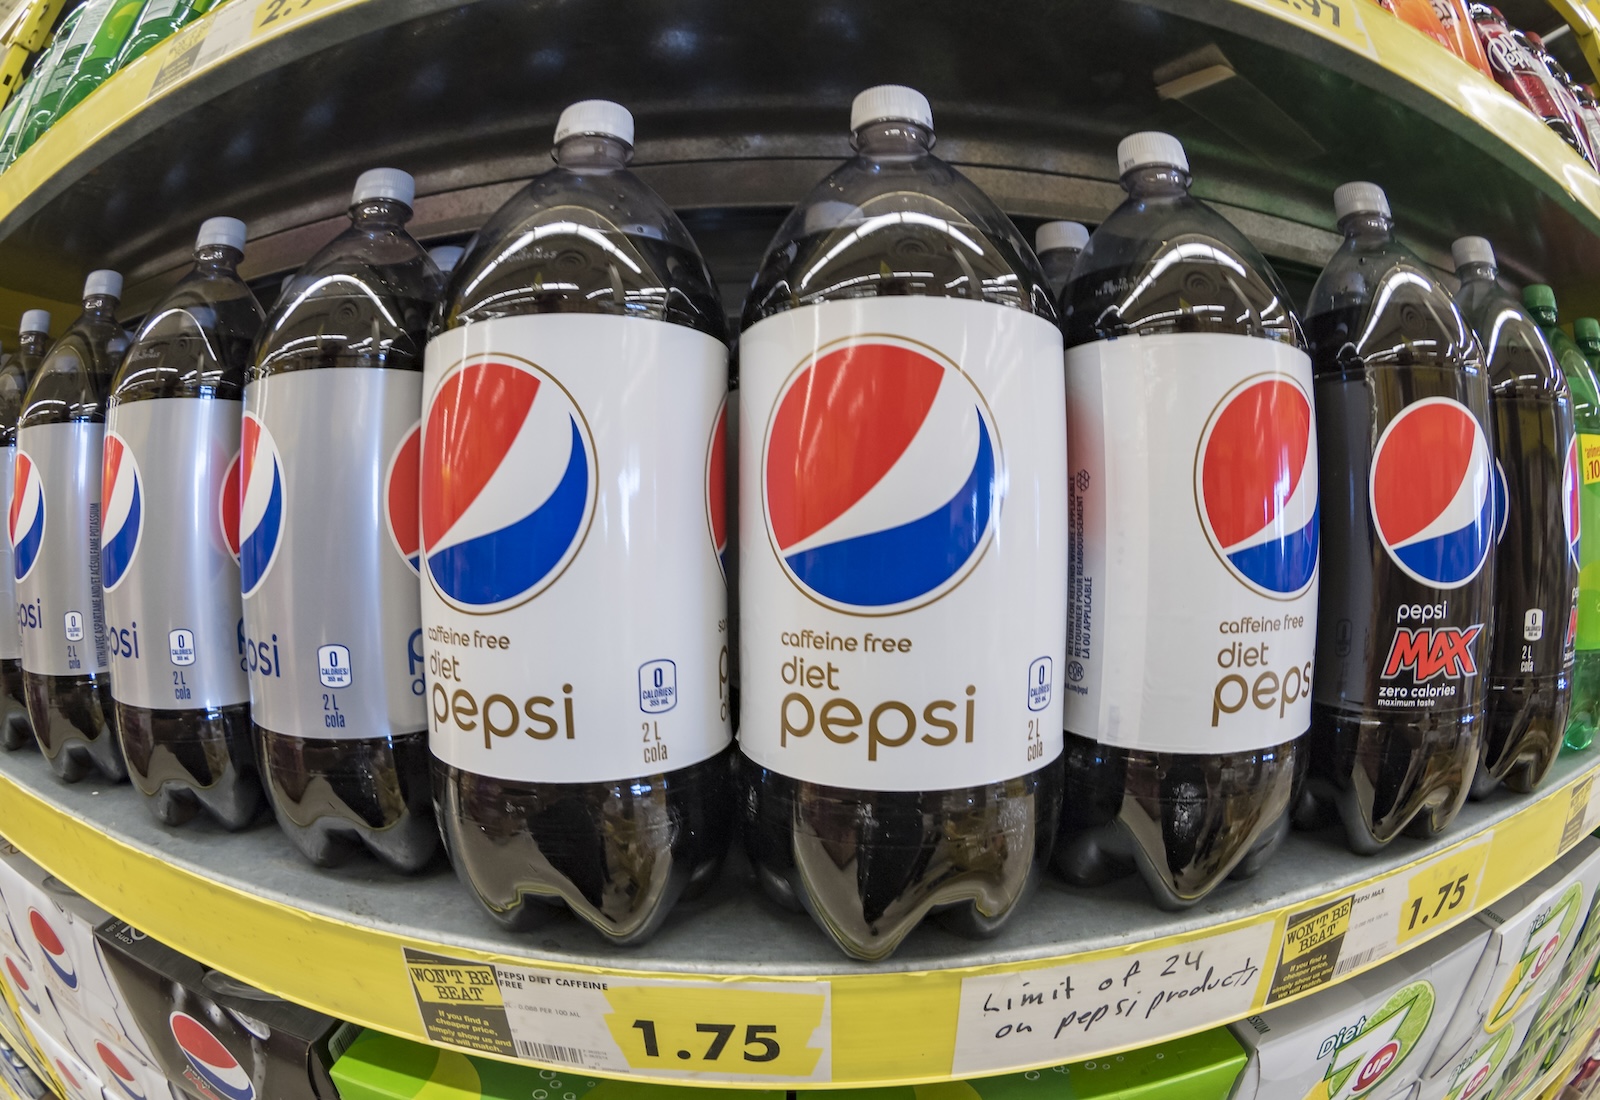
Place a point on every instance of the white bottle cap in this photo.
(103, 282)
(1150, 149)
(890, 101)
(224, 231)
(1054, 235)
(36, 320)
(384, 183)
(446, 256)
(596, 116)
(1472, 250)
(1359, 198)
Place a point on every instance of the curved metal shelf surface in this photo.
(741, 108)
(391, 952)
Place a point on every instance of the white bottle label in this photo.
(1194, 543)
(903, 543)
(573, 605)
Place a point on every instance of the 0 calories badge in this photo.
(881, 476)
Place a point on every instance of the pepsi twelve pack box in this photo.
(1532, 931)
(1370, 1036)
(216, 1038)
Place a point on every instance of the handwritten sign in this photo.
(1061, 1013)
(1336, 19)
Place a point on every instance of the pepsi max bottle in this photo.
(582, 756)
(1192, 504)
(1059, 245)
(54, 524)
(1402, 402)
(167, 551)
(328, 540)
(903, 567)
(1530, 648)
(18, 370)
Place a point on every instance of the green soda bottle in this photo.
(1541, 302)
(25, 96)
(99, 60)
(160, 20)
(70, 49)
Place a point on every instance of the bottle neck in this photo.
(217, 259)
(1367, 227)
(1477, 271)
(102, 307)
(593, 153)
(893, 140)
(35, 343)
(1544, 315)
(1151, 181)
(380, 213)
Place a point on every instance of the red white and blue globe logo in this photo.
(212, 1062)
(122, 510)
(25, 523)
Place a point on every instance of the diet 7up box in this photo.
(1369, 1036)
(1531, 932)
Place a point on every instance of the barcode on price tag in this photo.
(731, 1031)
(1061, 1013)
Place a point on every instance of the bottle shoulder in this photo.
(75, 377)
(1378, 305)
(1516, 356)
(196, 342)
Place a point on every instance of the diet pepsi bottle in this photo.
(16, 373)
(329, 540)
(1192, 504)
(169, 547)
(1059, 245)
(54, 524)
(1402, 400)
(902, 464)
(1530, 648)
(577, 636)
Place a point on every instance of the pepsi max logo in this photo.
(1502, 502)
(55, 952)
(400, 495)
(213, 1064)
(717, 487)
(21, 986)
(261, 504)
(1571, 487)
(1377, 1066)
(25, 523)
(228, 506)
(1432, 502)
(1255, 485)
(117, 1072)
(508, 483)
(880, 477)
(122, 491)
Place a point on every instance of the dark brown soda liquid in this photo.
(870, 865)
(15, 729)
(617, 853)
(1165, 263)
(72, 716)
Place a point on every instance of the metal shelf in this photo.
(337, 940)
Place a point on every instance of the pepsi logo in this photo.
(117, 1072)
(400, 494)
(881, 475)
(122, 513)
(25, 523)
(1571, 487)
(261, 504)
(21, 986)
(717, 487)
(228, 506)
(1502, 502)
(1432, 503)
(211, 1061)
(55, 951)
(1255, 484)
(1377, 1066)
(508, 482)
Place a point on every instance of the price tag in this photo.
(756, 1032)
(1061, 1013)
(1590, 446)
(272, 14)
(1337, 19)
(1440, 891)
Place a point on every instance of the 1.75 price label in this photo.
(754, 1032)
(1439, 892)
